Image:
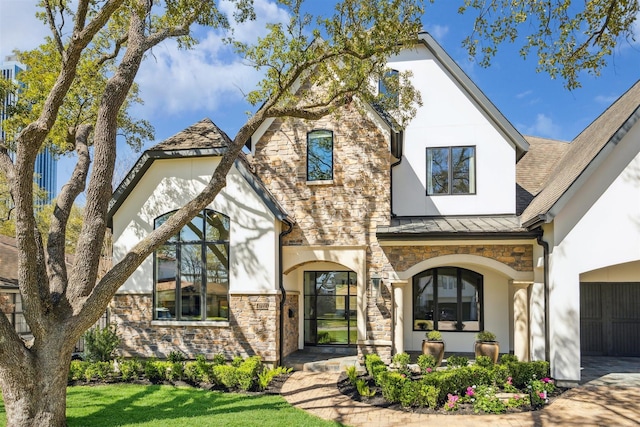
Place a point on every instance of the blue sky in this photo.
(182, 87)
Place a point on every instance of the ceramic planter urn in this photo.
(490, 349)
(435, 349)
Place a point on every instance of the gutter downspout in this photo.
(393, 165)
(283, 292)
(545, 248)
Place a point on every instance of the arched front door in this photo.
(330, 308)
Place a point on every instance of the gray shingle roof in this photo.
(533, 170)
(461, 227)
(583, 154)
(203, 134)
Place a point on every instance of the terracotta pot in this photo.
(435, 349)
(490, 349)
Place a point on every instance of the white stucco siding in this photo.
(598, 227)
(449, 118)
(169, 184)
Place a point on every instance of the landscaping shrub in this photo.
(427, 363)
(100, 343)
(175, 371)
(371, 360)
(364, 389)
(226, 375)
(267, 375)
(77, 370)
(130, 369)
(523, 372)
(219, 359)
(99, 371)
(352, 374)
(401, 363)
(419, 394)
(484, 361)
(237, 361)
(508, 358)
(248, 371)
(392, 385)
(156, 370)
(176, 356)
(457, 361)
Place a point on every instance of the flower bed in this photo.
(481, 388)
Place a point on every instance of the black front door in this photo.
(330, 307)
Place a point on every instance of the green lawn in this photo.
(137, 405)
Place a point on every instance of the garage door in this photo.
(610, 319)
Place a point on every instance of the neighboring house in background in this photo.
(46, 165)
(375, 235)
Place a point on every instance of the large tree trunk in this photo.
(34, 389)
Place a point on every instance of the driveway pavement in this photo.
(608, 396)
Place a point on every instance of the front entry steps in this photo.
(322, 359)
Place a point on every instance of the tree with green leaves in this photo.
(567, 37)
(313, 66)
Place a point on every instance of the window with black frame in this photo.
(448, 299)
(320, 155)
(451, 170)
(192, 270)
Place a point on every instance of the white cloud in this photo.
(605, 99)
(544, 127)
(438, 31)
(208, 76)
(524, 94)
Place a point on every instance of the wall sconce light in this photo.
(376, 281)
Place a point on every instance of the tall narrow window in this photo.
(451, 170)
(192, 270)
(320, 155)
(447, 299)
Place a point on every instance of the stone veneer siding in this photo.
(343, 212)
(251, 330)
(518, 257)
(291, 329)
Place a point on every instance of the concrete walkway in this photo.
(609, 400)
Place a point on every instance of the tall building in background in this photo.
(46, 165)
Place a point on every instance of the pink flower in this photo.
(453, 398)
(509, 381)
(470, 391)
(547, 380)
(516, 397)
(542, 394)
(429, 370)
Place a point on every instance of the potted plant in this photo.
(434, 346)
(486, 345)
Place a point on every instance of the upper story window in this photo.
(451, 170)
(192, 270)
(448, 299)
(388, 86)
(320, 155)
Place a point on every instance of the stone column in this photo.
(398, 315)
(520, 325)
